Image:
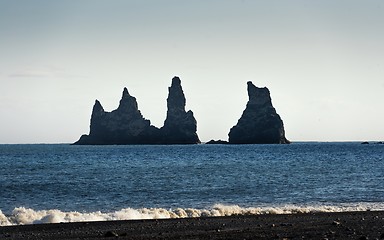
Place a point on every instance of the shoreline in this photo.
(320, 225)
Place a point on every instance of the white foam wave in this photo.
(21, 215)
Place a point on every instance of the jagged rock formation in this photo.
(180, 126)
(126, 125)
(259, 123)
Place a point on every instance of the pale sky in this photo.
(323, 62)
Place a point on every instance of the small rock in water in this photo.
(216, 142)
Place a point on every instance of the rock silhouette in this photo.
(217, 142)
(126, 125)
(259, 123)
(180, 126)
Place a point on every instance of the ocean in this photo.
(50, 183)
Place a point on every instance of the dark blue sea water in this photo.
(64, 183)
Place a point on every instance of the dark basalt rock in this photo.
(259, 123)
(180, 126)
(217, 142)
(126, 125)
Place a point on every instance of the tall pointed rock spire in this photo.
(180, 126)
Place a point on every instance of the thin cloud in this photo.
(44, 72)
(30, 74)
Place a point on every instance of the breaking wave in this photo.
(22, 215)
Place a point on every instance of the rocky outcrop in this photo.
(180, 126)
(126, 125)
(259, 123)
(217, 142)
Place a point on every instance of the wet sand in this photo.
(345, 225)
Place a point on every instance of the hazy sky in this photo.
(323, 62)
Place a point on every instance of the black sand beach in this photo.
(345, 225)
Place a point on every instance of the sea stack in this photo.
(180, 126)
(259, 123)
(126, 124)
